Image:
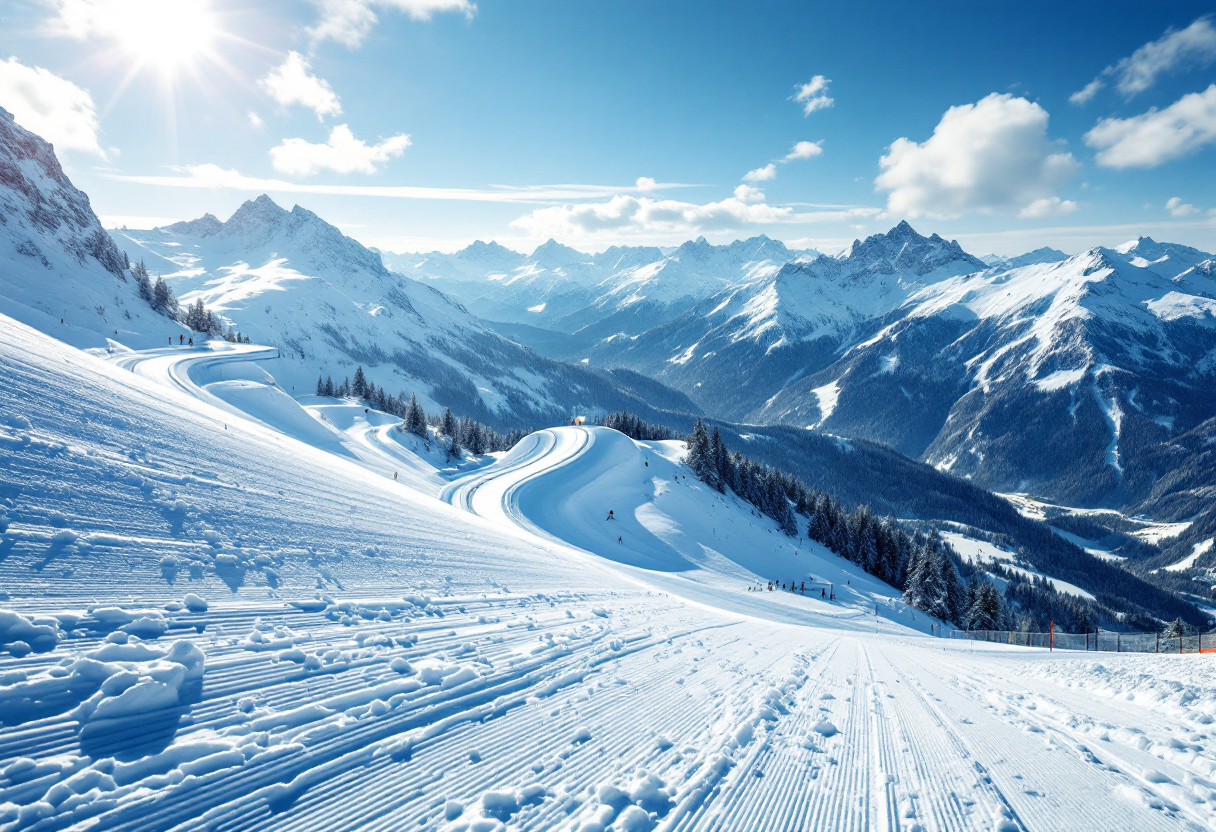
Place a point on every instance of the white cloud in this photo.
(1158, 136)
(645, 183)
(1086, 93)
(1048, 206)
(749, 195)
(813, 95)
(804, 150)
(343, 153)
(255, 120)
(349, 21)
(1194, 46)
(763, 174)
(987, 156)
(53, 107)
(293, 83)
(643, 215)
(1178, 208)
(213, 177)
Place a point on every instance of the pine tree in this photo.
(142, 281)
(985, 610)
(415, 418)
(320, 386)
(359, 386)
(329, 386)
(719, 461)
(698, 458)
(448, 426)
(163, 299)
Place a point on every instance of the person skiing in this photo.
(191, 340)
(823, 593)
(618, 540)
(394, 475)
(180, 340)
(610, 517)
(170, 340)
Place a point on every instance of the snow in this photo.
(1197, 551)
(979, 552)
(367, 654)
(827, 395)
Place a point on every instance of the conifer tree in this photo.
(698, 458)
(329, 386)
(448, 426)
(359, 386)
(320, 386)
(415, 418)
(142, 281)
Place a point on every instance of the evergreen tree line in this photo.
(920, 564)
(160, 297)
(468, 434)
(458, 434)
(632, 426)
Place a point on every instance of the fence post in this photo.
(1051, 638)
(1118, 642)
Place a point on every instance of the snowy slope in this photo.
(235, 629)
(59, 270)
(1054, 378)
(289, 279)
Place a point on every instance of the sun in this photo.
(164, 35)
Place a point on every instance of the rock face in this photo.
(56, 261)
(292, 280)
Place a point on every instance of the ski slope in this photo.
(214, 619)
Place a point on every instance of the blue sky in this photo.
(421, 124)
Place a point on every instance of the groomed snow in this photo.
(223, 626)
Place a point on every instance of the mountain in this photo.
(59, 271)
(786, 324)
(562, 302)
(292, 280)
(1060, 379)
(1039, 255)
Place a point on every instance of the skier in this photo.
(823, 593)
(618, 540)
(394, 475)
(192, 341)
(180, 340)
(647, 458)
(802, 588)
(170, 340)
(610, 517)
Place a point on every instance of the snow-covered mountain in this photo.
(624, 290)
(766, 334)
(1055, 378)
(292, 280)
(59, 270)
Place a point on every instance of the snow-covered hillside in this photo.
(210, 622)
(292, 280)
(59, 270)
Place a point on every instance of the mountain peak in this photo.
(552, 253)
(204, 226)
